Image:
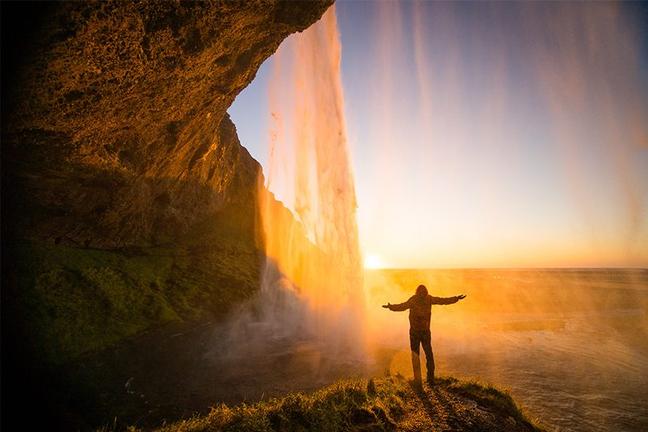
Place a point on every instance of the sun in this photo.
(372, 262)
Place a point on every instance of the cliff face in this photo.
(127, 198)
(117, 133)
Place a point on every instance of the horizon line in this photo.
(513, 268)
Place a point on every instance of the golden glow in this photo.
(484, 177)
(475, 148)
(311, 235)
(373, 262)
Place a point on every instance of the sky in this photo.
(490, 134)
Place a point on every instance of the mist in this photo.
(505, 138)
(517, 133)
(311, 296)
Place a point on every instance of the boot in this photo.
(430, 380)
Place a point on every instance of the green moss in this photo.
(74, 300)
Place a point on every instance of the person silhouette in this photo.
(420, 305)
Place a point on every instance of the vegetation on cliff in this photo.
(375, 405)
(128, 200)
(77, 300)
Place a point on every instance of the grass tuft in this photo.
(344, 405)
(347, 405)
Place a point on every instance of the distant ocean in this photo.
(571, 345)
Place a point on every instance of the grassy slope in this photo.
(75, 300)
(374, 405)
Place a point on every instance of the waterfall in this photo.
(312, 281)
(310, 170)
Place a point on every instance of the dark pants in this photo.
(422, 337)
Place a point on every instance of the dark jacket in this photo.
(420, 307)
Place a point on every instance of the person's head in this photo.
(421, 290)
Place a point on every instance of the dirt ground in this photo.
(440, 408)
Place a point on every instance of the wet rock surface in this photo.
(128, 202)
(115, 127)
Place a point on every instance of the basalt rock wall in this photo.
(128, 200)
(116, 127)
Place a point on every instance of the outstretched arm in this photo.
(398, 307)
(447, 300)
